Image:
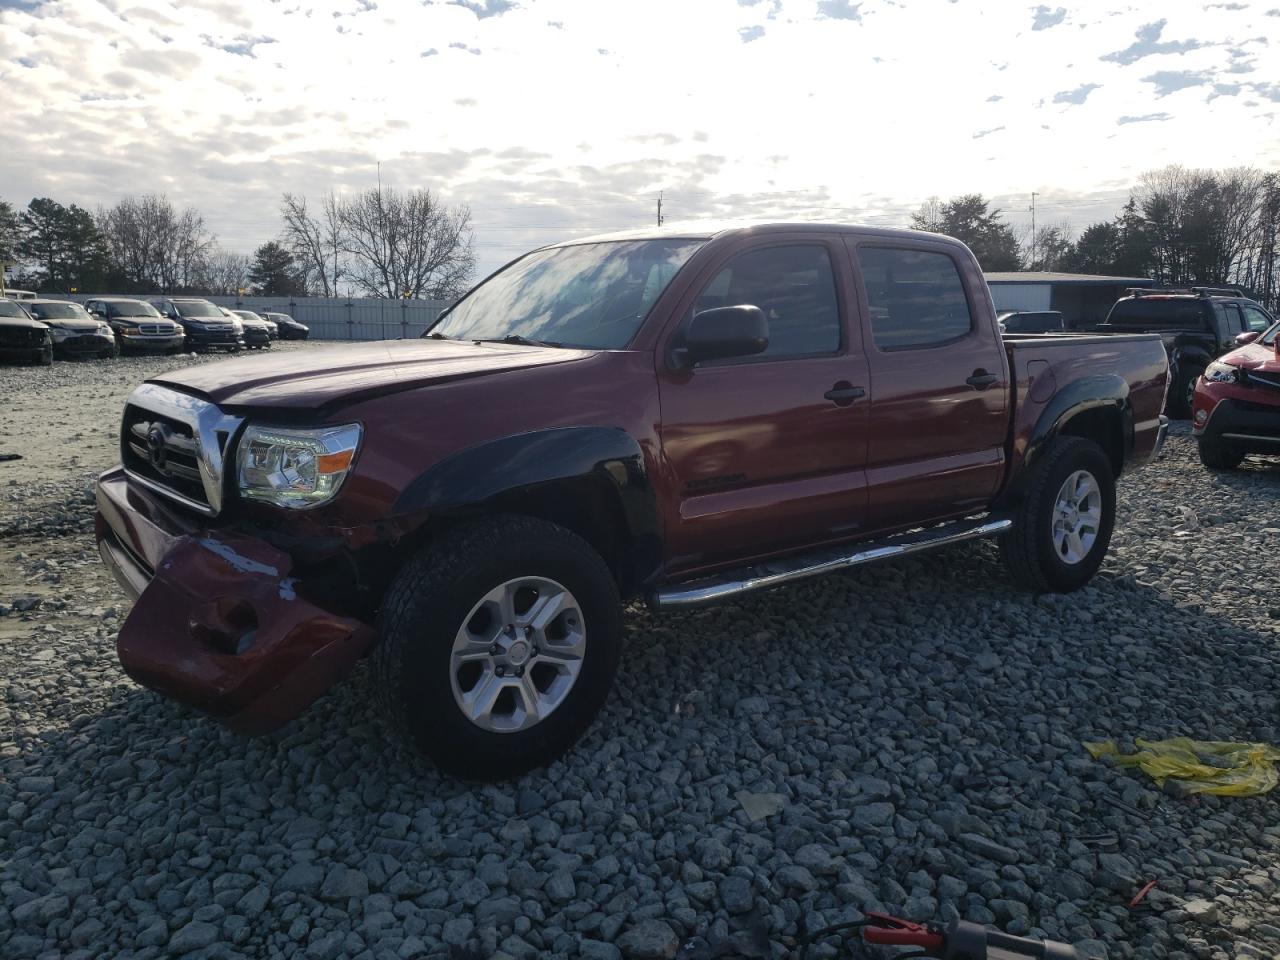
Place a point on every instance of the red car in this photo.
(1236, 407)
(684, 415)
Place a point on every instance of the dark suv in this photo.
(205, 324)
(1197, 326)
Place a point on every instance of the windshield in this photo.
(131, 308)
(10, 309)
(197, 308)
(58, 311)
(588, 295)
(247, 315)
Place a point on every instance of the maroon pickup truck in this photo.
(682, 415)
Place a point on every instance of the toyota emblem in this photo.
(155, 447)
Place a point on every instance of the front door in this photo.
(939, 385)
(767, 451)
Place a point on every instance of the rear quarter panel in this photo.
(1046, 369)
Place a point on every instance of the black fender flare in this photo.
(1103, 392)
(538, 461)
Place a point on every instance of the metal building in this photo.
(1082, 299)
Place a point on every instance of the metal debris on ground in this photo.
(1199, 766)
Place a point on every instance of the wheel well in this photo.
(587, 506)
(1102, 426)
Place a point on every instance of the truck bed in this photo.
(1048, 370)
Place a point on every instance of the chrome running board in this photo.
(774, 573)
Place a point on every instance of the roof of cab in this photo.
(707, 229)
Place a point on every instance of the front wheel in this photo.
(1217, 455)
(497, 646)
(1062, 526)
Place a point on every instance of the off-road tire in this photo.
(1028, 549)
(428, 603)
(1217, 455)
(1178, 405)
(46, 357)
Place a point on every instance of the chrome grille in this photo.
(157, 329)
(175, 445)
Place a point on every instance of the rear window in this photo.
(1186, 314)
(916, 298)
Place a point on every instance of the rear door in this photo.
(939, 383)
(767, 452)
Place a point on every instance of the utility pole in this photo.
(659, 208)
(1033, 229)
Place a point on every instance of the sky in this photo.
(559, 118)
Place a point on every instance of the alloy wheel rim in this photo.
(1077, 517)
(517, 654)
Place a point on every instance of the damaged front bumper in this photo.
(218, 623)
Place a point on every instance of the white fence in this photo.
(334, 318)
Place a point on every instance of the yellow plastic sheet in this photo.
(1200, 766)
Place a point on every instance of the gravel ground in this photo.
(907, 738)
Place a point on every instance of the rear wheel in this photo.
(1182, 392)
(1063, 524)
(1217, 455)
(497, 646)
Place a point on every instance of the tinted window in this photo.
(10, 309)
(1256, 319)
(583, 295)
(1235, 319)
(916, 298)
(794, 286)
(1179, 313)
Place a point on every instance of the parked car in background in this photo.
(138, 325)
(257, 332)
(75, 333)
(23, 338)
(1031, 321)
(290, 329)
(685, 415)
(1236, 407)
(1197, 326)
(206, 326)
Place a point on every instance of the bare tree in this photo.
(316, 242)
(222, 273)
(407, 244)
(152, 245)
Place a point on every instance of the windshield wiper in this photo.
(523, 341)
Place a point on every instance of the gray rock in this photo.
(989, 849)
(736, 894)
(649, 940)
(301, 878)
(193, 936)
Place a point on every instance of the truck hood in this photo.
(342, 374)
(1256, 357)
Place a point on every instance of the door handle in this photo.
(843, 396)
(981, 379)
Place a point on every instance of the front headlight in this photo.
(59, 333)
(294, 468)
(237, 326)
(105, 330)
(1221, 372)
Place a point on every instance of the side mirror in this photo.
(1243, 339)
(722, 332)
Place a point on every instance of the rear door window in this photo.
(1235, 319)
(916, 298)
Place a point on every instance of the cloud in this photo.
(462, 46)
(1149, 43)
(1145, 118)
(840, 10)
(430, 53)
(1077, 96)
(241, 46)
(485, 8)
(994, 98)
(1046, 18)
(750, 33)
(986, 133)
(1227, 6)
(1171, 81)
